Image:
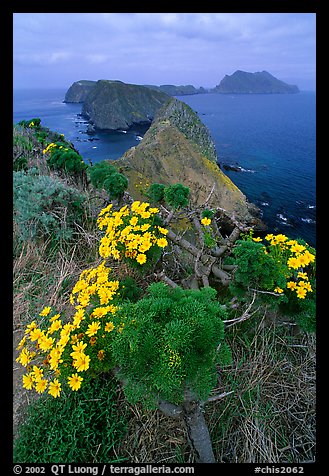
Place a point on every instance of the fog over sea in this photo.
(268, 141)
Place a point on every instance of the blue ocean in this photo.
(265, 143)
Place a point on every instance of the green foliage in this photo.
(64, 158)
(177, 195)
(44, 206)
(255, 268)
(82, 427)
(32, 123)
(129, 289)
(284, 269)
(206, 213)
(169, 343)
(115, 185)
(99, 172)
(156, 192)
(104, 176)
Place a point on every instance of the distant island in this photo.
(173, 90)
(242, 82)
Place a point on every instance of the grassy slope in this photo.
(268, 418)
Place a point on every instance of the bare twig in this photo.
(219, 396)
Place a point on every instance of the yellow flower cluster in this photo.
(66, 345)
(297, 257)
(130, 233)
(50, 147)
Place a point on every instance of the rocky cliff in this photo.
(79, 91)
(178, 148)
(117, 105)
(242, 82)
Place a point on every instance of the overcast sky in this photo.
(56, 49)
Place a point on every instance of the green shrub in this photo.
(81, 427)
(177, 195)
(156, 192)
(283, 270)
(99, 172)
(64, 158)
(45, 206)
(169, 343)
(115, 185)
(104, 176)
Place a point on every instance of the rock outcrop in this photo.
(242, 82)
(79, 91)
(178, 148)
(113, 105)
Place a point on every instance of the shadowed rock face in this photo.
(242, 82)
(79, 91)
(116, 105)
(178, 148)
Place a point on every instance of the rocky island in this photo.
(113, 105)
(242, 82)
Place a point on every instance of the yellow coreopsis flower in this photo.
(41, 385)
(75, 382)
(162, 242)
(301, 292)
(141, 258)
(293, 263)
(93, 329)
(54, 388)
(46, 343)
(78, 349)
(37, 373)
(291, 285)
(45, 311)
(278, 290)
(30, 327)
(109, 326)
(55, 326)
(24, 357)
(164, 231)
(36, 334)
(27, 381)
(206, 221)
(82, 363)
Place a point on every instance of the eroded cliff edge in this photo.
(178, 148)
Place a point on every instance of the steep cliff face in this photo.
(242, 82)
(178, 148)
(79, 91)
(117, 105)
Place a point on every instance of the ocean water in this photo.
(269, 139)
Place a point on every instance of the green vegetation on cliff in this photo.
(117, 105)
(225, 348)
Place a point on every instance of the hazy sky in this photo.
(56, 49)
